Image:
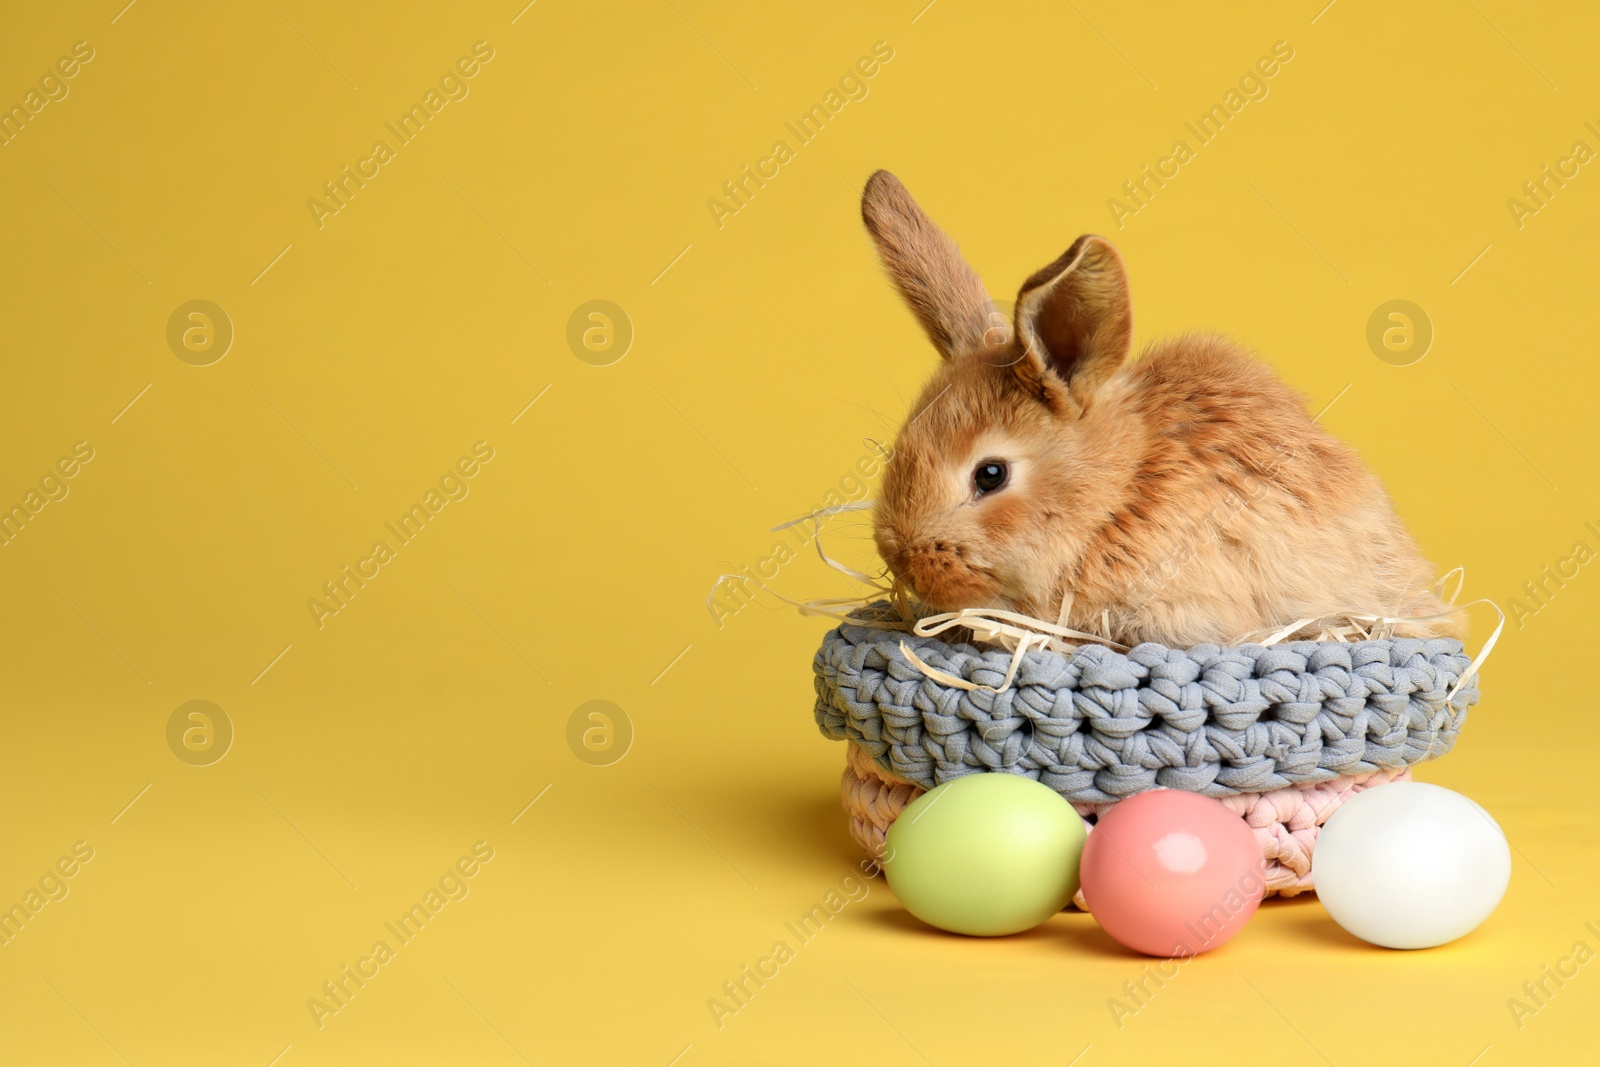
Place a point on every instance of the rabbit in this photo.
(1185, 497)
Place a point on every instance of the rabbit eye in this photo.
(989, 476)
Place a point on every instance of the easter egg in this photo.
(1172, 873)
(1410, 865)
(985, 854)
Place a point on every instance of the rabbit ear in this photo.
(1076, 316)
(944, 293)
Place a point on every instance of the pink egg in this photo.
(1172, 873)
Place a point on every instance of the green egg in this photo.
(986, 854)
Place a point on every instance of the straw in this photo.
(1021, 634)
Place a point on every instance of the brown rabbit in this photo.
(1184, 497)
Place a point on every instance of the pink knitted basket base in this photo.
(1285, 821)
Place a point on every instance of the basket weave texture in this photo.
(1099, 725)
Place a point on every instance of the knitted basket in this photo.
(1281, 734)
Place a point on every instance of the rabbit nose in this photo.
(942, 577)
(934, 548)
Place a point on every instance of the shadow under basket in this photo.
(1280, 734)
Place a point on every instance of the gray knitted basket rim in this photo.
(1099, 725)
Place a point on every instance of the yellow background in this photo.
(427, 314)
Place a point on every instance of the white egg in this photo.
(1410, 865)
